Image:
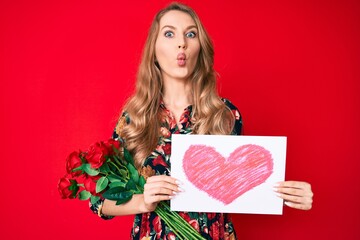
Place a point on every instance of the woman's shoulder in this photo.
(237, 130)
(232, 107)
(229, 104)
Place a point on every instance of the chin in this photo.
(182, 74)
(179, 74)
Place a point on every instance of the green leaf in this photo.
(124, 173)
(141, 181)
(117, 184)
(125, 199)
(94, 199)
(128, 156)
(89, 170)
(133, 173)
(122, 201)
(74, 188)
(104, 168)
(131, 185)
(118, 194)
(84, 195)
(115, 178)
(101, 184)
(78, 168)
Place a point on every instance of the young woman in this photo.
(176, 93)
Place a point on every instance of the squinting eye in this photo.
(169, 34)
(191, 34)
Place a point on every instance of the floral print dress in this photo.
(216, 226)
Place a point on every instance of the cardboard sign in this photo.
(234, 174)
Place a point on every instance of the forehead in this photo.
(177, 18)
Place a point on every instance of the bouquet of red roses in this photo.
(107, 170)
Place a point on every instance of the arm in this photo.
(157, 188)
(134, 206)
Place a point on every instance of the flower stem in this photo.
(115, 166)
(179, 226)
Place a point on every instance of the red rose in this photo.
(73, 161)
(111, 144)
(67, 187)
(90, 184)
(96, 154)
(81, 178)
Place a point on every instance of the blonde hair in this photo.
(210, 115)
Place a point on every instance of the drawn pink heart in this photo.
(225, 179)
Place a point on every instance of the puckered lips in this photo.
(181, 59)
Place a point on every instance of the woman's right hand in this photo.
(159, 188)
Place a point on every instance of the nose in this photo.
(182, 43)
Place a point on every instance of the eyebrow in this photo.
(172, 27)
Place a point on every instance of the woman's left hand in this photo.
(295, 194)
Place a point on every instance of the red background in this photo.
(291, 67)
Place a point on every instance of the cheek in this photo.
(196, 52)
(161, 51)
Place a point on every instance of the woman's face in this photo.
(177, 45)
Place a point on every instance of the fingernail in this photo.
(178, 182)
(174, 193)
(287, 204)
(277, 184)
(275, 189)
(170, 197)
(180, 189)
(278, 194)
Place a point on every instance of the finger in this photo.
(159, 191)
(293, 184)
(162, 185)
(298, 189)
(290, 191)
(290, 198)
(158, 198)
(298, 205)
(162, 178)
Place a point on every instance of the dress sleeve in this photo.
(238, 125)
(97, 207)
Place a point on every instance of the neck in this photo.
(177, 93)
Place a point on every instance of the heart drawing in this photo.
(225, 179)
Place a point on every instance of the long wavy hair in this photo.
(210, 115)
